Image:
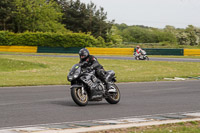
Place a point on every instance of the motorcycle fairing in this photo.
(74, 72)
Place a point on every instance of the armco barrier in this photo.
(129, 51)
(58, 49)
(111, 51)
(99, 51)
(24, 49)
(163, 51)
(191, 52)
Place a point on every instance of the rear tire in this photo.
(114, 97)
(79, 98)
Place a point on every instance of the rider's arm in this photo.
(140, 51)
(137, 51)
(95, 63)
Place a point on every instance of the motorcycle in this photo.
(81, 81)
(142, 56)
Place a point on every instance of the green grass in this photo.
(184, 127)
(33, 70)
(7, 65)
(165, 56)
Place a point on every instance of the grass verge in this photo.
(187, 127)
(7, 65)
(33, 70)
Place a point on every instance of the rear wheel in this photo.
(114, 97)
(79, 96)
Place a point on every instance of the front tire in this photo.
(114, 97)
(147, 58)
(79, 98)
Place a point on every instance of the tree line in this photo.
(53, 16)
(64, 16)
(143, 34)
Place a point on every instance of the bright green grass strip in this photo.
(183, 127)
(165, 56)
(13, 65)
(58, 68)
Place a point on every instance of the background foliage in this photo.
(142, 34)
(72, 16)
(48, 39)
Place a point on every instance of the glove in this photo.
(89, 69)
(83, 63)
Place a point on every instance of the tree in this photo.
(171, 29)
(5, 14)
(121, 26)
(192, 34)
(182, 38)
(37, 15)
(113, 36)
(75, 15)
(189, 36)
(79, 17)
(143, 34)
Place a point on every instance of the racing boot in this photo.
(108, 84)
(109, 88)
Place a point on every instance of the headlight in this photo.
(76, 75)
(69, 78)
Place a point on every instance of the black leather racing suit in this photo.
(92, 63)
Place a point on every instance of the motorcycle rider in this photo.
(90, 62)
(138, 50)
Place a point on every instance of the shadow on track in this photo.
(72, 104)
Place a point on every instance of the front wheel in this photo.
(114, 97)
(80, 96)
(147, 58)
(136, 58)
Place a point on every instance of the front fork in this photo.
(82, 91)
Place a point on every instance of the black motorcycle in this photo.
(81, 81)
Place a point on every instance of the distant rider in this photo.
(138, 50)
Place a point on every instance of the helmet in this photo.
(138, 46)
(83, 53)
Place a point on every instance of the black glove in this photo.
(89, 69)
(83, 63)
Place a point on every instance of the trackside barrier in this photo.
(159, 51)
(24, 49)
(191, 52)
(99, 51)
(58, 49)
(129, 51)
(111, 51)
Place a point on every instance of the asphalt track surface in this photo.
(116, 57)
(20, 106)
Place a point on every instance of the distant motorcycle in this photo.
(141, 56)
(81, 79)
